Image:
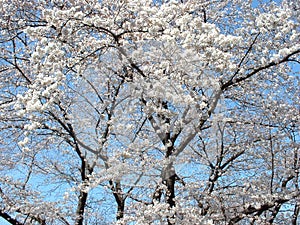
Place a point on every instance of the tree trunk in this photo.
(117, 192)
(170, 195)
(169, 178)
(80, 208)
(121, 207)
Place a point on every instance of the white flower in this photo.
(24, 142)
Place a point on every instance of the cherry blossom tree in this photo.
(149, 112)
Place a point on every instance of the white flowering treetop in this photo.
(149, 112)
